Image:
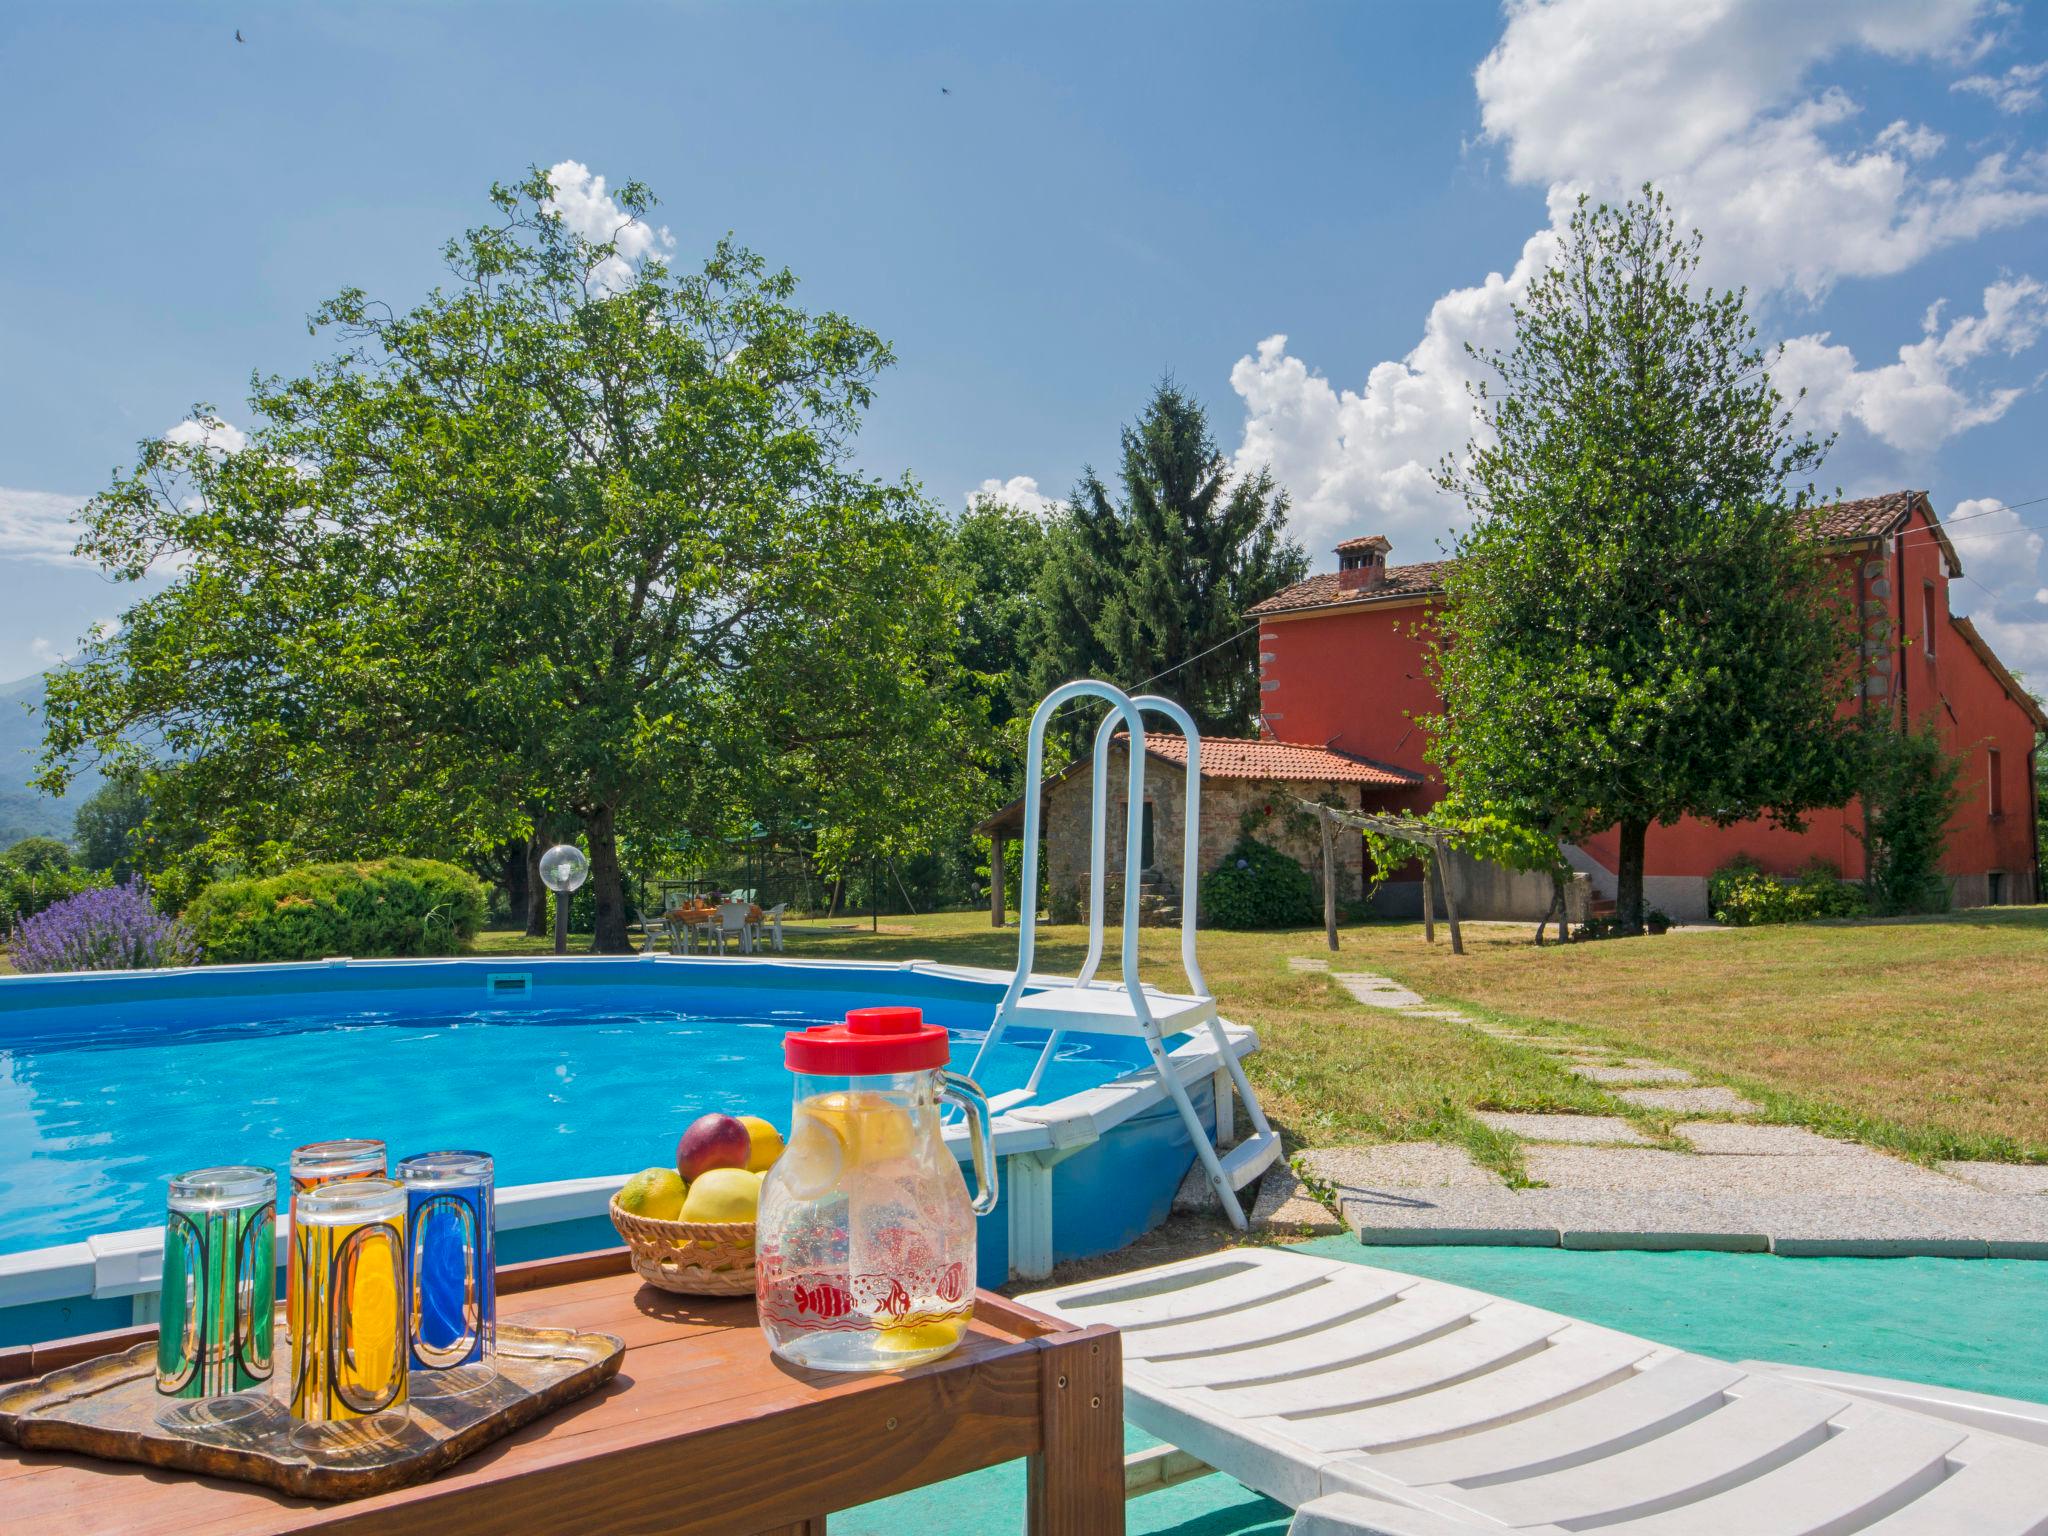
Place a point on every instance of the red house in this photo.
(1341, 664)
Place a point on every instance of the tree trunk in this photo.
(537, 916)
(1628, 897)
(607, 885)
(838, 903)
(518, 877)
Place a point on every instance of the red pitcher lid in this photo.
(871, 1043)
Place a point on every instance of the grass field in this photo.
(1925, 1037)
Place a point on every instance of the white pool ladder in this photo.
(1127, 1007)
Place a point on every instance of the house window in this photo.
(1927, 618)
(1997, 784)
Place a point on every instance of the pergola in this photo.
(1401, 829)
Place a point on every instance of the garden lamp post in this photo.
(562, 869)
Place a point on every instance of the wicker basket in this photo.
(692, 1258)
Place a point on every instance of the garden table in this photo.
(702, 1433)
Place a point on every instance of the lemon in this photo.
(656, 1193)
(814, 1159)
(723, 1194)
(767, 1143)
(871, 1127)
(915, 1338)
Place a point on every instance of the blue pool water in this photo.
(100, 1103)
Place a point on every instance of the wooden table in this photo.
(702, 1433)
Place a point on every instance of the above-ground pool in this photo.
(570, 1073)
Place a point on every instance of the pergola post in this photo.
(1329, 877)
(997, 891)
(1443, 872)
(1428, 902)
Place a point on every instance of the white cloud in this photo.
(1019, 491)
(37, 525)
(1711, 99)
(1920, 401)
(589, 210)
(2003, 596)
(222, 436)
(2017, 90)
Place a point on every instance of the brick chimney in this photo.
(1362, 563)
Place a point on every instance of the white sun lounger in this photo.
(1377, 1402)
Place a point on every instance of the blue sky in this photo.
(1106, 193)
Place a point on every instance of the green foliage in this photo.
(571, 539)
(1258, 886)
(372, 909)
(1741, 895)
(110, 827)
(996, 554)
(1133, 586)
(1910, 791)
(39, 855)
(36, 873)
(1640, 625)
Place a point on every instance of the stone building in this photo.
(1244, 782)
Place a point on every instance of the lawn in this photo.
(1926, 1037)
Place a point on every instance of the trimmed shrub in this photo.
(111, 928)
(373, 909)
(1743, 896)
(1257, 886)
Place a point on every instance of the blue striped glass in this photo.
(452, 1311)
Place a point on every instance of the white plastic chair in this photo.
(732, 920)
(773, 917)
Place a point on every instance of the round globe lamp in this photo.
(563, 869)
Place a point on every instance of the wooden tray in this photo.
(108, 1407)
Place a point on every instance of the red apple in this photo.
(712, 1141)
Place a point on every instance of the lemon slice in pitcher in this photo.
(814, 1158)
(915, 1338)
(871, 1127)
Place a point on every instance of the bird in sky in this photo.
(238, 36)
(945, 90)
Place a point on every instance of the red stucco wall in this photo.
(1355, 680)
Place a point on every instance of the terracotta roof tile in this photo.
(1226, 757)
(1322, 591)
(1868, 518)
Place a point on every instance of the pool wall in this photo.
(1078, 1176)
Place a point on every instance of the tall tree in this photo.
(1161, 577)
(572, 537)
(1640, 624)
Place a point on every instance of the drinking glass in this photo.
(219, 1292)
(323, 1162)
(348, 1279)
(451, 1318)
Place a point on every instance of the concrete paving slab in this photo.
(1377, 991)
(1398, 1165)
(2002, 1178)
(1623, 1072)
(1585, 1130)
(1306, 963)
(1492, 1217)
(1690, 1101)
(1860, 1172)
(1285, 1205)
(1723, 1136)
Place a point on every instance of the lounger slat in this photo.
(1566, 1368)
(1876, 1463)
(1769, 1424)
(1339, 1299)
(1226, 1284)
(1349, 1514)
(2001, 1490)
(1654, 1401)
(1495, 1336)
(1404, 1325)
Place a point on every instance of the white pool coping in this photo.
(130, 1263)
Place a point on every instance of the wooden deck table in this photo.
(702, 1433)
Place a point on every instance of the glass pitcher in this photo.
(864, 1244)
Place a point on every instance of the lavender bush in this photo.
(115, 928)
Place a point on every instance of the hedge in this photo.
(1257, 886)
(377, 908)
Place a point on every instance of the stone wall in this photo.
(1224, 804)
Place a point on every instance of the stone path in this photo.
(1603, 1183)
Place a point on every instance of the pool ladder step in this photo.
(1243, 1163)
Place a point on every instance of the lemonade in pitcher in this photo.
(864, 1244)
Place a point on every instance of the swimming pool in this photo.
(571, 1073)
